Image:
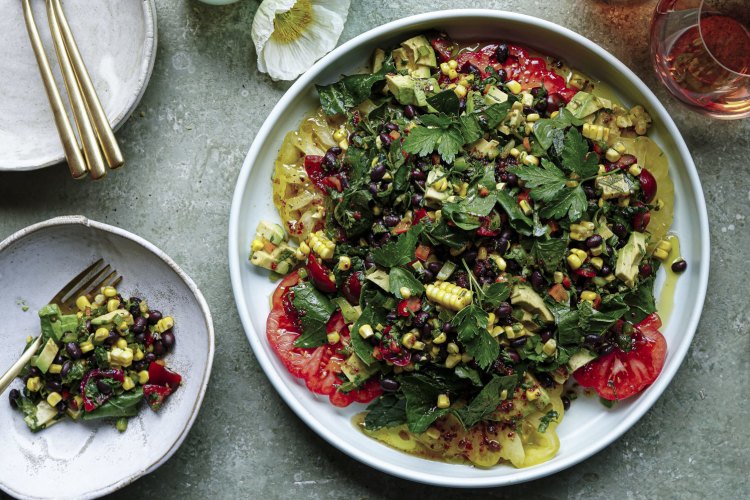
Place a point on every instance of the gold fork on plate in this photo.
(87, 282)
(91, 120)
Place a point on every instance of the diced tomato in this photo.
(412, 304)
(333, 182)
(320, 275)
(352, 287)
(443, 47)
(558, 293)
(523, 195)
(419, 214)
(483, 231)
(319, 367)
(314, 169)
(619, 374)
(586, 272)
(401, 227)
(161, 375)
(155, 395)
(422, 252)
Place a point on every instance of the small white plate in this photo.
(588, 426)
(117, 40)
(85, 460)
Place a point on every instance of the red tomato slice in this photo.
(319, 366)
(619, 374)
(320, 275)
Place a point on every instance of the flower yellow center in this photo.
(289, 26)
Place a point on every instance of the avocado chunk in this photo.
(356, 370)
(495, 96)
(579, 359)
(378, 58)
(614, 186)
(629, 257)
(271, 232)
(410, 90)
(380, 278)
(280, 260)
(421, 51)
(47, 356)
(526, 298)
(49, 317)
(404, 61)
(584, 104)
(483, 148)
(110, 317)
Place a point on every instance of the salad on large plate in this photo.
(469, 231)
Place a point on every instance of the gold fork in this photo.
(87, 282)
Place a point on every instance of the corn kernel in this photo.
(589, 296)
(101, 335)
(440, 339)
(581, 231)
(531, 160)
(526, 207)
(143, 377)
(574, 262)
(443, 401)
(558, 277)
(121, 357)
(143, 307)
(100, 299)
(452, 74)
(496, 330)
(405, 292)
(444, 68)
(365, 331)
(635, 170)
(550, 347)
(53, 398)
(612, 155)
(433, 433)
(127, 383)
(453, 64)
(460, 91)
(86, 347)
(113, 305)
(164, 324)
(532, 117)
(345, 263)
(514, 152)
(491, 319)
(580, 253)
(619, 147)
(554, 114)
(34, 384)
(122, 343)
(418, 345)
(54, 368)
(138, 355)
(109, 291)
(533, 393)
(596, 251)
(513, 86)
(122, 327)
(257, 245)
(82, 303)
(339, 135)
(408, 340)
(623, 202)
(597, 262)
(452, 348)
(452, 360)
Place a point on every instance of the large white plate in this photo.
(91, 459)
(588, 426)
(117, 40)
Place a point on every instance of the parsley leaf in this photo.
(641, 301)
(421, 392)
(572, 200)
(445, 102)
(576, 156)
(549, 417)
(546, 182)
(471, 325)
(518, 220)
(470, 129)
(399, 252)
(494, 294)
(551, 131)
(372, 315)
(549, 254)
(487, 400)
(351, 90)
(388, 410)
(496, 113)
(597, 322)
(315, 311)
(401, 278)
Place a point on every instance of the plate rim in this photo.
(67, 220)
(151, 40)
(236, 259)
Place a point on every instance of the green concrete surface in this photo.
(184, 147)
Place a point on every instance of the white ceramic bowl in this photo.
(588, 426)
(84, 460)
(117, 40)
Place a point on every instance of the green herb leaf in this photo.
(518, 220)
(551, 131)
(641, 301)
(372, 315)
(402, 278)
(351, 90)
(421, 394)
(471, 325)
(389, 410)
(496, 293)
(353, 212)
(549, 254)
(572, 201)
(496, 113)
(576, 156)
(470, 129)
(315, 310)
(463, 371)
(487, 400)
(593, 321)
(124, 405)
(445, 102)
(399, 252)
(548, 418)
(546, 182)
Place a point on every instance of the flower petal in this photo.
(287, 60)
(263, 24)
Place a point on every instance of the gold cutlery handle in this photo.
(91, 150)
(111, 149)
(73, 154)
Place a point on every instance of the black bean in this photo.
(426, 329)
(159, 348)
(554, 102)
(12, 396)
(150, 357)
(545, 335)
(386, 140)
(527, 110)
(61, 407)
(501, 245)
(594, 241)
(335, 150)
(537, 281)
(511, 180)
(410, 111)
(391, 317)
(679, 266)
(373, 188)
(545, 380)
(518, 342)
(416, 200)
(620, 230)
(389, 385)
(590, 192)
(418, 175)
(435, 267)
(329, 159)
(605, 349)
(74, 352)
(502, 52)
(390, 126)
(59, 358)
(605, 270)
(514, 357)
(66, 368)
(112, 338)
(153, 317)
(507, 234)
(462, 279)
(140, 338)
(541, 106)
(54, 385)
(565, 402)
(377, 172)
(140, 365)
(167, 338)
(485, 280)
(421, 357)
(503, 310)
(447, 327)
(427, 276)
(34, 372)
(470, 256)
(502, 75)
(89, 327)
(391, 220)
(139, 324)
(645, 270)
(134, 309)
(103, 387)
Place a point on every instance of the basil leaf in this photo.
(389, 410)
(445, 102)
(315, 310)
(351, 90)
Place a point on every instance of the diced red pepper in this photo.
(422, 252)
(92, 404)
(585, 272)
(156, 394)
(161, 375)
(558, 293)
(410, 305)
(419, 214)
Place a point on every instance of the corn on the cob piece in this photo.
(448, 295)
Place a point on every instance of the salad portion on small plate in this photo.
(472, 234)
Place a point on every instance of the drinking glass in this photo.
(701, 52)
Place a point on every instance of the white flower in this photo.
(290, 35)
